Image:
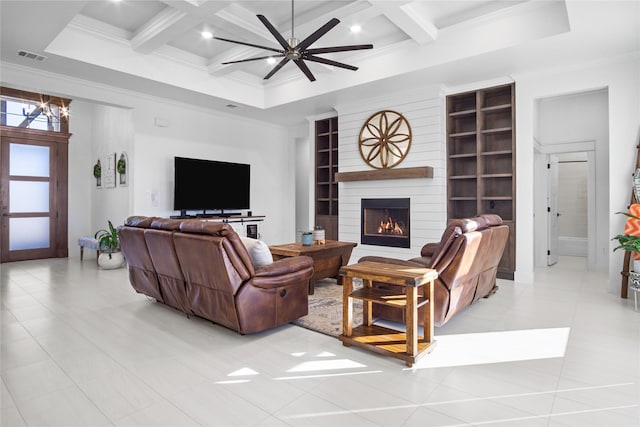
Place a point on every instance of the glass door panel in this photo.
(28, 196)
(29, 160)
(29, 233)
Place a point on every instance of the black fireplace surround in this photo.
(385, 222)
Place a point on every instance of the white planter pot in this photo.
(318, 237)
(636, 265)
(106, 263)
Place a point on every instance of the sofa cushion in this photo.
(258, 251)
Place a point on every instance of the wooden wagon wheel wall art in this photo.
(385, 139)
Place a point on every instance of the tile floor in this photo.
(81, 348)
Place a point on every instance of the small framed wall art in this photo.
(122, 168)
(109, 170)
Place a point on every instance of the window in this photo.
(33, 111)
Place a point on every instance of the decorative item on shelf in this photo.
(122, 167)
(385, 139)
(630, 240)
(318, 235)
(636, 184)
(307, 238)
(97, 174)
(108, 242)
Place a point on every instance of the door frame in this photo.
(552, 209)
(541, 224)
(59, 144)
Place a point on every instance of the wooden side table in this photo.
(406, 346)
(327, 258)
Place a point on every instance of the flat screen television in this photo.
(201, 185)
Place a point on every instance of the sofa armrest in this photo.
(283, 272)
(428, 250)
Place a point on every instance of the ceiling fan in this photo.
(298, 51)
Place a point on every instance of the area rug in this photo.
(325, 309)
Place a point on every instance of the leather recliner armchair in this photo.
(466, 259)
(203, 268)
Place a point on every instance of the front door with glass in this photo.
(28, 220)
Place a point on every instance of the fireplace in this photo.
(385, 222)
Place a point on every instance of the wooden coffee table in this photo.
(327, 258)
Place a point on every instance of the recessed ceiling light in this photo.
(271, 60)
(207, 34)
(355, 28)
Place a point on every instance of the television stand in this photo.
(183, 215)
(224, 214)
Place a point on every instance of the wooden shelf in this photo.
(386, 341)
(463, 198)
(383, 297)
(495, 153)
(496, 108)
(496, 130)
(482, 162)
(497, 175)
(326, 162)
(378, 174)
(462, 134)
(462, 113)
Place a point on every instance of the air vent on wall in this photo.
(31, 55)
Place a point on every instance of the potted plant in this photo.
(318, 235)
(631, 243)
(307, 238)
(109, 245)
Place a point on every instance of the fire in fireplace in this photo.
(385, 222)
(391, 227)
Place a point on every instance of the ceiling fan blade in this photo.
(303, 67)
(317, 34)
(249, 44)
(339, 48)
(253, 59)
(329, 62)
(276, 68)
(274, 32)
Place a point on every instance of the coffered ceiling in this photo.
(157, 47)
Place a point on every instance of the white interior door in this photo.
(552, 210)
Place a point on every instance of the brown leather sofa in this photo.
(203, 268)
(466, 259)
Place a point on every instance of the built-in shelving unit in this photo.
(481, 160)
(326, 168)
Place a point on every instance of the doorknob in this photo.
(558, 214)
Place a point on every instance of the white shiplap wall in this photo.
(424, 111)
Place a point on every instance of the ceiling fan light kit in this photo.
(298, 51)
